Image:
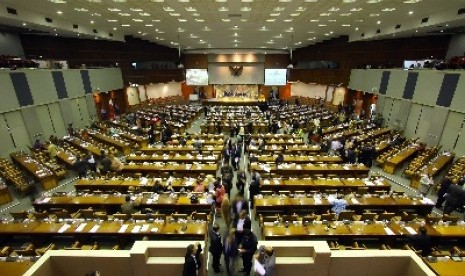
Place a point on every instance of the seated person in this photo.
(280, 159)
(339, 204)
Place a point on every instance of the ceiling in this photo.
(235, 24)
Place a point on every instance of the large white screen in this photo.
(275, 76)
(196, 77)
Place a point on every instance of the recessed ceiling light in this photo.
(156, 20)
(314, 20)
(332, 20)
(144, 14)
(279, 9)
(59, 12)
(321, 25)
(114, 28)
(183, 1)
(374, 1)
(92, 22)
(311, 1)
(125, 25)
(301, 9)
(199, 20)
(112, 20)
(114, 9)
(221, 1)
(356, 9)
(148, 25)
(175, 14)
(136, 9)
(191, 9)
(247, 1)
(124, 14)
(287, 20)
(378, 22)
(348, 1)
(246, 9)
(410, 12)
(182, 20)
(374, 14)
(325, 14)
(95, 1)
(120, 1)
(285, 1)
(58, 1)
(411, 1)
(388, 9)
(223, 9)
(137, 20)
(275, 14)
(345, 25)
(271, 20)
(345, 14)
(24, 24)
(356, 29)
(158, 1)
(81, 9)
(226, 20)
(294, 14)
(244, 20)
(333, 9)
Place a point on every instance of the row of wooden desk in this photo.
(328, 159)
(286, 204)
(168, 203)
(188, 158)
(356, 170)
(358, 229)
(171, 168)
(344, 185)
(43, 175)
(152, 228)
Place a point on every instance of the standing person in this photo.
(230, 251)
(81, 167)
(421, 241)
(240, 181)
(105, 163)
(91, 162)
(216, 247)
(227, 174)
(254, 187)
(236, 156)
(446, 182)
(455, 198)
(192, 262)
(247, 248)
(265, 261)
(219, 194)
(242, 223)
(239, 204)
(226, 211)
(151, 134)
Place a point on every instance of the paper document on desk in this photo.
(81, 227)
(149, 201)
(144, 181)
(354, 201)
(94, 229)
(123, 228)
(64, 228)
(45, 200)
(203, 201)
(426, 200)
(389, 231)
(318, 201)
(136, 229)
(145, 228)
(410, 230)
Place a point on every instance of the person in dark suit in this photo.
(280, 159)
(421, 241)
(238, 205)
(247, 248)
(445, 184)
(192, 262)
(236, 156)
(216, 247)
(230, 251)
(151, 134)
(242, 223)
(128, 206)
(455, 198)
(105, 163)
(240, 181)
(81, 167)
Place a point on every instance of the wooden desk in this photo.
(14, 268)
(296, 149)
(301, 159)
(46, 177)
(395, 161)
(447, 267)
(80, 228)
(433, 168)
(5, 195)
(124, 147)
(345, 185)
(82, 145)
(174, 158)
(351, 170)
(112, 203)
(175, 168)
(122, 184)
(183, 150)
(280, 204)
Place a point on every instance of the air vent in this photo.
(424, 20)
(398, 26)
(235, 15)
(95, 31)
(378, 31)
(49, 20)
(362, 35)
(110, 34)
(11, 11)
(461, 11)
(75, 26)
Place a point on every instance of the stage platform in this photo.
(231, 101)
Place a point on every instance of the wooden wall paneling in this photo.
(18, 130)
(276, 60)
(196, 61)
(32, 122)
(57, 119)
(9, 100)
(6, 146)
(452, 129)
(413, 120)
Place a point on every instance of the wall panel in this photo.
(452, 127)
(414, 115)
(57, 119)
(9, 100)
(396, 84)
(42, 86)
(458, 101)
(6, 145)
(82, 104)
(460, 147)
(32, 122)
(425, 122)
(73, 82)
(427, 87)
(18, 130)
(388, 103)
(46, 122)
(91, 106)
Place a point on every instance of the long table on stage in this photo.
(232, 101)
